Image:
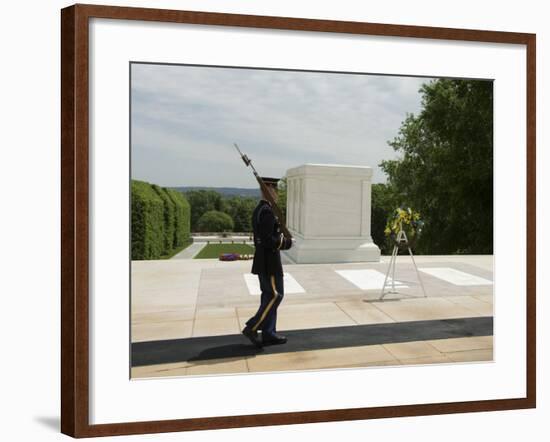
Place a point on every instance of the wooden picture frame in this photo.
(75, 247)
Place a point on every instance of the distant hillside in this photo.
(226, 192)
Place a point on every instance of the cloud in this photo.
(185, 120)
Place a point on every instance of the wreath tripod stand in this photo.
(401, 239)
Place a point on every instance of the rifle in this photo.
(266, 193)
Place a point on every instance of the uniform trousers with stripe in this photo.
(265, 318)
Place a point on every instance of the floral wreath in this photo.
(408, 220)
(234, 257)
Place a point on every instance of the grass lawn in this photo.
(215, 250)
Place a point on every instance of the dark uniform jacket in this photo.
(268, 241)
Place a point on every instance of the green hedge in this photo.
(169, 219)
(147, 222)
(160, 220)
(182, 231)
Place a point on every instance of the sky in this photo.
(185, 119)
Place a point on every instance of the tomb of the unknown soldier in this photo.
(329, 214)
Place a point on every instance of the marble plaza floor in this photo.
(187, 315)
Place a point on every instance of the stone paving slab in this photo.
(396, 336)
(483, 307)
(463, 344)
(321, 281)
(364, 313)
(230, 365)
(216, 326)
(455, 277)
(415, 353)
(162, 330)
(173, 290)
(173, 299)
(369, 355)
(409, 350)
(425, 308)
(471, 355)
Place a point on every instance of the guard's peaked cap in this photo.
(269, 181)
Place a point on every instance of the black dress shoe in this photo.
(252, 336)
(274, 339)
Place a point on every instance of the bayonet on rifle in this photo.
(266, 193)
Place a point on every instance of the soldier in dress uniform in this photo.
(268, 241)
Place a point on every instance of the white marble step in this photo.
(455, 277)
(368, 279)
(291, 285)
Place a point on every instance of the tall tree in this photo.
(240, 209)
(383, 204)
(202, 201)
(446, 166)
(214, 221)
